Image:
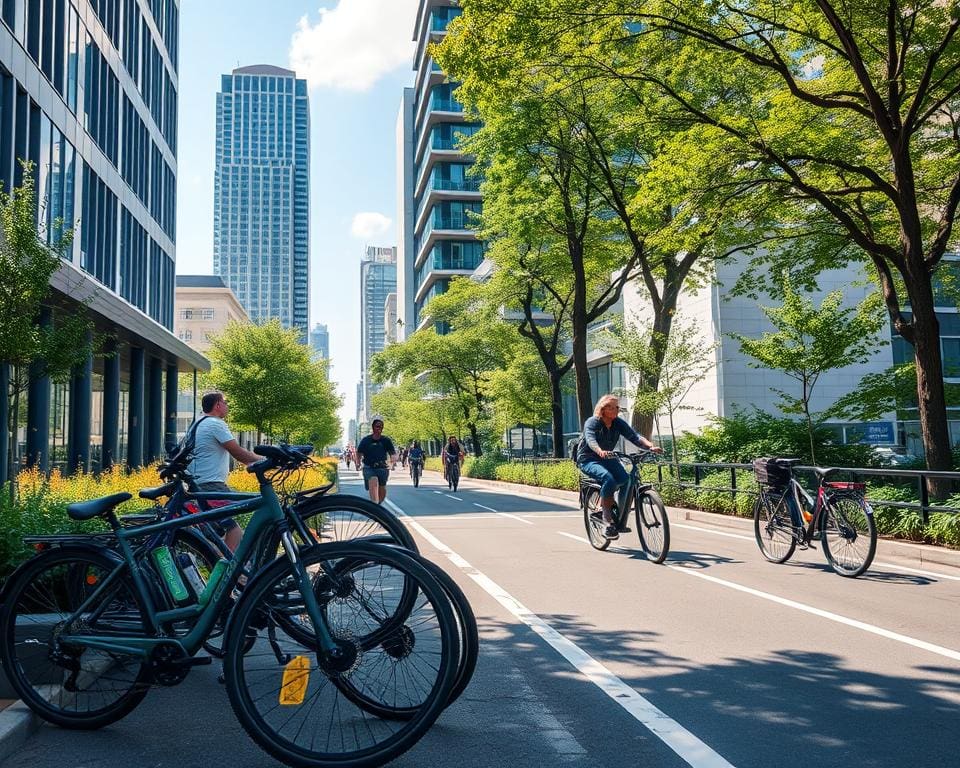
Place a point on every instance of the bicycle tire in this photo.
(454, 476)
(774, 532)
(416, 475)
(844, 521)
(284, 735)
(49, 589)
(593, 520)
(653, 525)
(348, 518)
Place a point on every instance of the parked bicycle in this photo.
(785, 516)
(318, 641)
(653, 526)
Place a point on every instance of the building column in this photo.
(81, 403)
(38, 409)
(172, 398)
(135, 410)
(154, 405)
(111, 408)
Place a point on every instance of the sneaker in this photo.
(611, 532)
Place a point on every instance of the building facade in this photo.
(390, 319)
(88, 94)
(320, 341)
(378, 279)
(437, 196)
(261, 231)
(203, 307)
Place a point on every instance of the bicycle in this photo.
(785, 516)
(85, 631)
(452, 474)
(653, 525)
(416, 469)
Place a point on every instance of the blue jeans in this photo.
(608, 472)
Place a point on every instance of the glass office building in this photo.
(437, 196)
(88, 94)
(261, 231)
(378, 279)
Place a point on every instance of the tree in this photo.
(412, 413)
(274, 385)
(809, 341)
(30, 349)
(847, 117)
(589, 159)
(685, 362)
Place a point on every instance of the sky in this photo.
(357, 56)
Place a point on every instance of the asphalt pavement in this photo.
(715, 658)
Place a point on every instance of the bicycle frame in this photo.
(626, 496)
(268, 514)
(825, 492)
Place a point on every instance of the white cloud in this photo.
(369, 225)
(355, 43)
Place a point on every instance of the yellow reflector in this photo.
(296, 675)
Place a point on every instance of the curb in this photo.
(905, 552)
(17, 723)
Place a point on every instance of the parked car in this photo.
(891, 458)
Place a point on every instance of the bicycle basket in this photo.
(771, 471)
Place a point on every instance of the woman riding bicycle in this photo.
(596, 458)
(452, 452)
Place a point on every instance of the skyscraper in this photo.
(378, 279)
(262, 193)
(437, 197)
(320, 341)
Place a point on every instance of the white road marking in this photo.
(575, 538)
(514, 517)
(907, 640)
(454, 518)
(489, 509)
(451, 496)
(670, 732)
(440, 492)
(893, 566)
(545, 515)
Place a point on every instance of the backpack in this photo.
(183, 450)
(573, 445)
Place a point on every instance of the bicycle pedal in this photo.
(192, 661)
(625, 529)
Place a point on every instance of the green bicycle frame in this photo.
(268, 514)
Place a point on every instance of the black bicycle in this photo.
(453, 474)
(653, 526)
(416, 469)
(786, 516)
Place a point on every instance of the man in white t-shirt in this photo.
(214, 445)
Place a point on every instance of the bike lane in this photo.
(733, 666)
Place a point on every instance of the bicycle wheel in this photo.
(342, 517)
(416, 475)
(289, 697)
(454, 477)
(593, 520)
(774, 531)
(653, 526)
(848, 535)
(70, 685)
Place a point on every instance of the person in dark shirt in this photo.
(376, 453)
(595, 458)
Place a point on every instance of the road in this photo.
(716, 658)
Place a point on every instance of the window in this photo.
(206, 314)
(186, 335)
(186, 314)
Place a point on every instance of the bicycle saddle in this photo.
(87, 510)
(155, 493)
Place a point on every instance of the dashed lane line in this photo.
(691, 749)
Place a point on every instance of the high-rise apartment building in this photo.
(378, 279)
(261, 214)
(436, 194)
(88, 94)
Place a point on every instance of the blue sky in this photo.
(357, 57)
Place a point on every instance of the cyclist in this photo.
(596, 458)
(376, 453)
(451, 452)
(415, 455)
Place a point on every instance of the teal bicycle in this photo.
(320, 645)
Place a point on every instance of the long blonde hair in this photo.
(603, 402)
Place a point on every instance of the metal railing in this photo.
(672, 475)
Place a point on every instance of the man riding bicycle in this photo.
(596, 458)
(415, 455)
(452, 452)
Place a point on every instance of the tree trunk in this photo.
(474, 435)
(662, 322)
(931, 395)
(556, 415)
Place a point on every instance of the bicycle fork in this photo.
(327, 646)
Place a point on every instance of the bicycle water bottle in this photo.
(188, 567)
(163, 558)
(215, 576)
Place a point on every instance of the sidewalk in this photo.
(906, 553)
